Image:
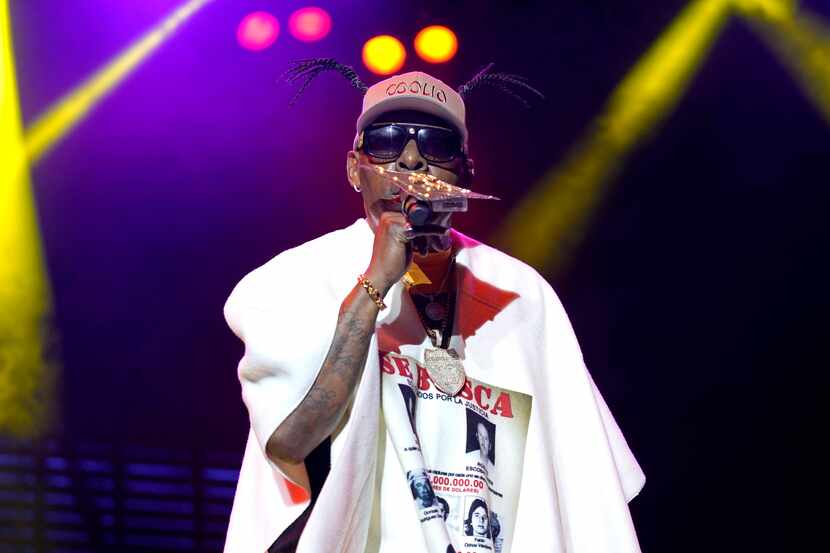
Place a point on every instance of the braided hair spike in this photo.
(507, 83)
(310, 68)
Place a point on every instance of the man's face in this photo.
(483, 440)
(380, 196)
(423, 490)
(480, 522)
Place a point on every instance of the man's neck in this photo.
(436, 265)
(427, 245)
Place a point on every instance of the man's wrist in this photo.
(381, 284)
(374, 293)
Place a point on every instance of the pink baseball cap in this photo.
(416, 91)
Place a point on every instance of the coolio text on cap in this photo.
(415, 87)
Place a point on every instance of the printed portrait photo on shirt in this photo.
(477, 521)
(481, 440)
(421, 489)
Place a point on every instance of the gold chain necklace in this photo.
(443, 364)
(436, 311)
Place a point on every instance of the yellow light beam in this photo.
(801, 42)
(27, 374)
(70, 110)
(545, 226)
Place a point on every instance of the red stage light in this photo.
(258, 30)
(309, 24)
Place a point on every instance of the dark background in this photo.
(699, 294)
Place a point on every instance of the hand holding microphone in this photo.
(427, 199)
(417, 211)
(427, 202)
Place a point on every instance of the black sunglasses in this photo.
(387, 141)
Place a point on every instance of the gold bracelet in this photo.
(372, 291)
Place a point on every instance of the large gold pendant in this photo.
(445, 370)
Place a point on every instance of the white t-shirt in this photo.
(437, 486)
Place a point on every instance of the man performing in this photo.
(342, 332)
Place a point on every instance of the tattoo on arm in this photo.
(316, 417)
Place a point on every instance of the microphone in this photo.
(417, 211)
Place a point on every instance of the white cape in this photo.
(578, 471)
